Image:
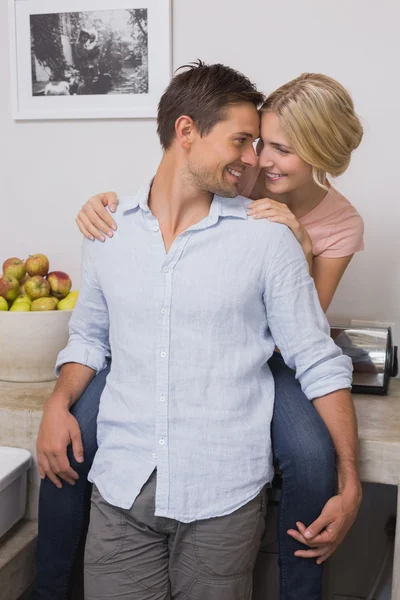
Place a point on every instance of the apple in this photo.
(60, 283)
(9, 287)
(44, 304)
(37, 287)
(67, 303)
(37, 264)
(20, 307)
(14, 267)
(22, 284)
(22, 298)
(3, 303)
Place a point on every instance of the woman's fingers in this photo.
(88, 229)
(99, 216)
(264, 203)
(109, 199)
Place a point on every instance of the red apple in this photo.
(14, 267)
(44, 304)
(9, 287)
(37, 264)
(37, 287)
(60, 283)
(22, 284)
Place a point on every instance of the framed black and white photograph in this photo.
(73, 59)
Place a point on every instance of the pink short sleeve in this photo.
(346, 238)
(335, 227)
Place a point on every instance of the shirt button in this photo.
(161, 442)
(156, 228)
(162, 399)
(163, 311)
(165, 269)
(163, 354)
(154, 455)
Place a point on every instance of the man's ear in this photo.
(185, 131)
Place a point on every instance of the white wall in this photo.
(48, 169)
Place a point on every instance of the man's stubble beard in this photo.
(204, 181)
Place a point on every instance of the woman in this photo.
(308, 130)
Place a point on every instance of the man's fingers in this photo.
(45, 465)
(65, 469)
(325, 556)
(312, 552)
(316, 527)
(77, 446)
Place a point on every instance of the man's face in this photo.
(217, 160)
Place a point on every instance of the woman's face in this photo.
(283, 169)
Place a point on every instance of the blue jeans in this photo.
(304, 456)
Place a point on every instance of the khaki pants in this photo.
(133, 555)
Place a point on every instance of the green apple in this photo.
(60, 283)
(37, 264)
(9, 287)
(22, 298)
(43, 304)
(20, 307)
(37, 287)
(3, 303)
(14, 267)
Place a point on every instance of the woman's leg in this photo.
(64, 513)
(305, 458)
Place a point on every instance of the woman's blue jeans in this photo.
(304, 456)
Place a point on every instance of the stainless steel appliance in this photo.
(373, 355)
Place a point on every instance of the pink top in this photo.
(335, 227)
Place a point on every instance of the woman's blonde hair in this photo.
(317, 114)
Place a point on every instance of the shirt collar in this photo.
(220, 207)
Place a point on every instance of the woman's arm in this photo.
(327, 273)
(94, 220)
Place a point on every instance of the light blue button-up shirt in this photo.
(190, 331)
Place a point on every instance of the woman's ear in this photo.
(185, 131)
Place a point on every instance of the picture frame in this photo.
(89, 59)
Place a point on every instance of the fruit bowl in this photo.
(30, 343)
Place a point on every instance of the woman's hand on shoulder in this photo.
(277, 212)
(94, 221)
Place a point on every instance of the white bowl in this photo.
(30, 343)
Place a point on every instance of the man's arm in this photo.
(302, 333)
(325, 534)
(85, 355)
(59, 428)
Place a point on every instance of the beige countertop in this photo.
(378, 416)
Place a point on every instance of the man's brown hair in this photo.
(204, 93)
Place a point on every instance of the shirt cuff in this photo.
(89, 357)
(328, 377)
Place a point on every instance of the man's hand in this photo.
(58, 429)
(325, 534)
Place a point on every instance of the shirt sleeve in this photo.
(346, 237)
(88, 342)
(299, 326)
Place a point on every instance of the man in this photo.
(190, 300)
